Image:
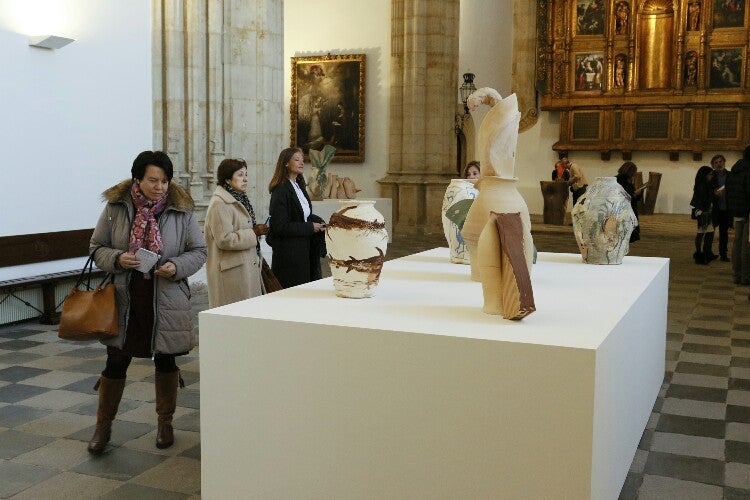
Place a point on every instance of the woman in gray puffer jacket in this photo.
(154, 315)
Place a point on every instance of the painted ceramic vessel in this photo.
(356, 239)
(499, 195)
(458, 189)
(602, 222)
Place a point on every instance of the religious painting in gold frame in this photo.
(726, 68)
(729, 13)
(590, 17)
(588, 72)
(328, 105)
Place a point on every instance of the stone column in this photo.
(424, 92)
(217, 75)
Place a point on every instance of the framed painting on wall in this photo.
(729, 13)
(590, 17)
(588, 72)
(726, 68)
(328, 105)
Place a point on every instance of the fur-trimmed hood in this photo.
(179, 198)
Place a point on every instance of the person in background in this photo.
(471, 171)
(232, 236)
(296, 234)
(577, 180)
(154, 313)
(738, 204)
(721, 218)
(626, 178)
(701, 201)
(561, 172)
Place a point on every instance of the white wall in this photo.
(336, 26)
(73, 118)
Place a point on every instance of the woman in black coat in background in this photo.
(626, 178)
(702, 200)
(296, 234)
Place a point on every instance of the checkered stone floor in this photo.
(696, 444)
(47, 416)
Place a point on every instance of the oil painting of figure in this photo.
(590, 17)
(729, 13)
(726, 68)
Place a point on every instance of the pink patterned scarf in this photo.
(145, 231)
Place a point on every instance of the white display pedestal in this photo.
(415, 393)
(325, 208)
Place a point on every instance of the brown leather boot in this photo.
(166, 401)
(110, 394)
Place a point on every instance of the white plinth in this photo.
(415, 393)
(325, 208)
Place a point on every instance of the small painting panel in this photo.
(729, 13)
(590, 17)
(726, 68)
(588, 74)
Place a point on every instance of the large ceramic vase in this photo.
(602, 222)
(356, 239)
(499, 195)
(458, 189)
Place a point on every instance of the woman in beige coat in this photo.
(234, 260)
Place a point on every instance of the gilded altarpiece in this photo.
(654, 75)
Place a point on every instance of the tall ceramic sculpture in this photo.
(496, 144)
(356, 239)
(458, 189)
(317, 184)
(602, 222)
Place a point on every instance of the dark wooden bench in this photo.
(37, 248)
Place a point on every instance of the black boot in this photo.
(708, 254)
(698, 255)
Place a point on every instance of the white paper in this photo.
(147, 258)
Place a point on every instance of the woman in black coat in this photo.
(296, 234)
(626, 178)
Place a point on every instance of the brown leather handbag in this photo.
(270, 282)
(89, 313)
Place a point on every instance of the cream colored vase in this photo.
(498, 195)
(356, 239)
(458, 189)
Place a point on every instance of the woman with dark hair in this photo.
(701, 202)
(296, 234)
(626, 178)
(155, 320)
(471, 171)
(232, 237)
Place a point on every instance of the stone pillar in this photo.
(217, 76)
(424, 92)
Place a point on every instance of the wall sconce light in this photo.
(49, 41)
(466, 90)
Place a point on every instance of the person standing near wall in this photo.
(738, 203)
(626, 178)
(577, 181)
(232, 237)
(721, 218)
(701, 202)
(154, 312)
(296, 234)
